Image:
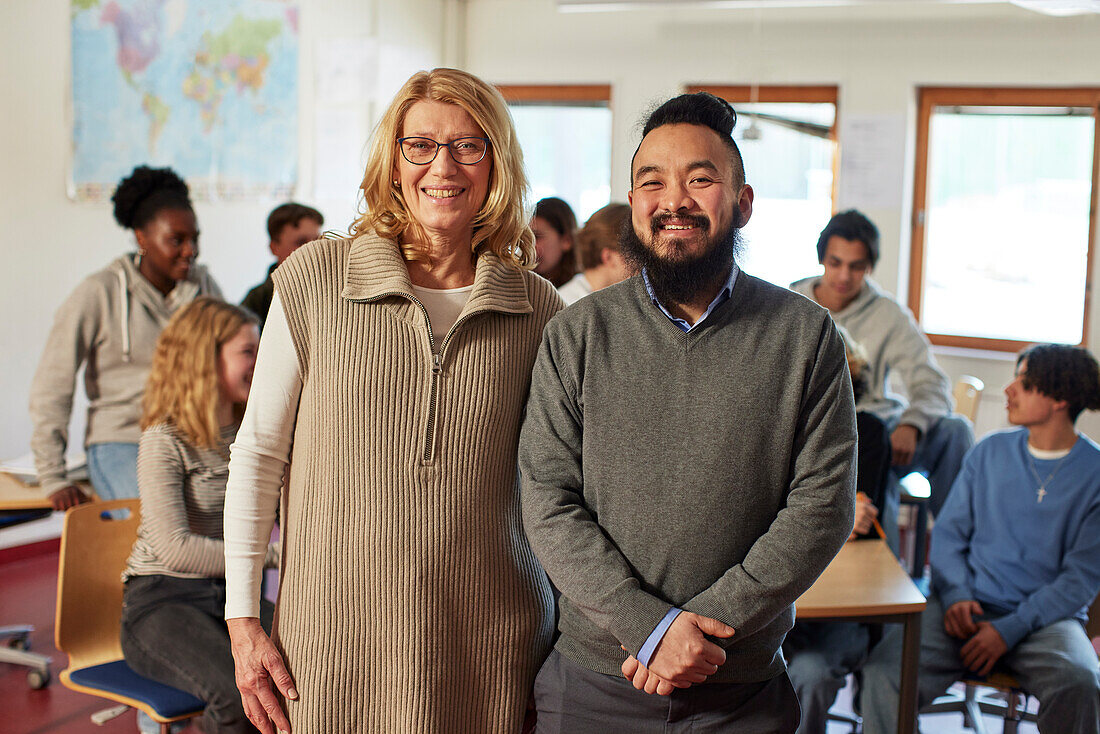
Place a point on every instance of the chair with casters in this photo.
(95, 544)
(15, 640)
(1008, 700)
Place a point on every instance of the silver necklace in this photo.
(1042, 491)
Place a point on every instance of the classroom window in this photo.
(1003, 223)
(565, 132)
(787, 138)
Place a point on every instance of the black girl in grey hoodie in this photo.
(110, 325)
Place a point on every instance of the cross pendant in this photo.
(1041, 494)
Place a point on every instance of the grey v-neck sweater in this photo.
(712, 470)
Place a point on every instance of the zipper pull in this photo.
(437, 364)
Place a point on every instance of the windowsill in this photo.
(986, 355)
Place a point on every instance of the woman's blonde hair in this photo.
(501, 225)
(183, 383)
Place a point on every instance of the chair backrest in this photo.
(968, 393)
(95, 544)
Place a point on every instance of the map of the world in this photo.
(208, 87)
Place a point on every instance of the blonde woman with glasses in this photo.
(392, 377)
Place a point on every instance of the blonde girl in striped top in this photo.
(173, 627)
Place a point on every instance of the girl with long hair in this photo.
(173, 627)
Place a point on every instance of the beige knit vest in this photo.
(410, 600)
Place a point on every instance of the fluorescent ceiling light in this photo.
(1047, 7)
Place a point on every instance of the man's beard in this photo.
(681, 280)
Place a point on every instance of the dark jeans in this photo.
(174, 631)
(574, 700)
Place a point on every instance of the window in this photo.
(787, 137)
(565, 132)
(1003, 222)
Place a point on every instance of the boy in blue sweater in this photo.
(1016, 557)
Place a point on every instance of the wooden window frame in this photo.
(931, 97)
(776, 94)
(555, 93)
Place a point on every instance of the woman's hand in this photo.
(257, 665)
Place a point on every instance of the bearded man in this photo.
(687, 460)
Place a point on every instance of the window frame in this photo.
(562, 94)
(930, 98)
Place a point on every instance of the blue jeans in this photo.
(1056, 664)
(112, 467)
(939, 456)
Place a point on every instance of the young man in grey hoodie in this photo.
(925, 434)
(687, 460)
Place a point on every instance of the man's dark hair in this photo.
(290, 214)
(700, 108)
(850, 225)
(1065, 373)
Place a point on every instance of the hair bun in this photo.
(142, 186)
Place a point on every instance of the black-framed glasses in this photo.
(422, 151)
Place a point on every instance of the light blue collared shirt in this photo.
(722, 297)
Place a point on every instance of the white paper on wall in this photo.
(872, 160)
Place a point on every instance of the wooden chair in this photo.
(95, 544)
(968, 394)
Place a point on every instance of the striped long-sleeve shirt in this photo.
(182, 490)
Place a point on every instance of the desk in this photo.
(18, 495)
(865, 582)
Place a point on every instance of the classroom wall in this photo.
(50, 243)
(877, 55)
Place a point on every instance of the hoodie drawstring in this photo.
(124, 312)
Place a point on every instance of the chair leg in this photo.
(166, 728)
(1016, 705)
(972, 712)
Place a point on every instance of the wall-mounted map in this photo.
(209, 87)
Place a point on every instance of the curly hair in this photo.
(145, 192)
(1065, 373)
(500, 226)
(857, 363)
(183, 382)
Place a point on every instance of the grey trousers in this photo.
(174, 631)
(574, 700)
(820, 655)
(1056, 664)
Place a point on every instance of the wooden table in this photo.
(18, 495)
(865, 582)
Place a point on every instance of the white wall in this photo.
(877, 56)
(49, 243)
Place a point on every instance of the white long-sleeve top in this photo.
(261, 451)
(258, 459)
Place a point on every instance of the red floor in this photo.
(28, 589)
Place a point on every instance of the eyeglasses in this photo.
(422, 151)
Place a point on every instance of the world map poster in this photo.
(208, 87)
